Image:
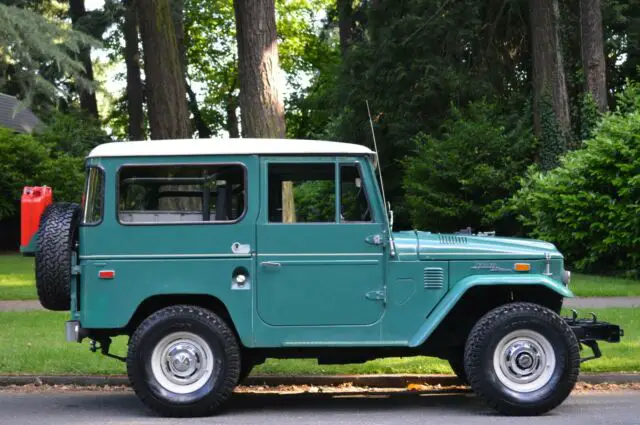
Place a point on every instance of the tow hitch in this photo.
(589, 331)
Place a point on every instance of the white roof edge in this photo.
(194, 147)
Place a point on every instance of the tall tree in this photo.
(78, 13)
(165, 81)
(592, 44)
(135, 93)
(551, 119)
(37, 53)
(261, 103)
(345, 23)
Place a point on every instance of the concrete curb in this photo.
(381, 381)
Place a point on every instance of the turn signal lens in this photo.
(522, 267)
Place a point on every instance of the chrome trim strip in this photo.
(535, 254)
(163, 256)
(322, 254)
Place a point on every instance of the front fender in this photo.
(458, 290)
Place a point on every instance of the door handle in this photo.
(270, 265)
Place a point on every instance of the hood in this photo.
(412, 245)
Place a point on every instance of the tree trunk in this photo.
(201, 126)
(232, 117)
(166, 92)
(88, 100)
(177, 11)
(548, 72)
(345, 23)
(260, 98)
(135, 94)
(593, 61)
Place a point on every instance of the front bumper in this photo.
(590, 331)
(74, 332)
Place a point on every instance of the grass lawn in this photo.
(584, 285)
(17, 278)
(33, 342)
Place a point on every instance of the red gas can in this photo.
(34, 201)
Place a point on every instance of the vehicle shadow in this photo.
(456, 402)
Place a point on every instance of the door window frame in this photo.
(338, 162)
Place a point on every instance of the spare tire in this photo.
(57, 237)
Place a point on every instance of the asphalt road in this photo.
(67, 408)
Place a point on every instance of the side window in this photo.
(302, 193)
(354, 205)
(93, 197)
(181, 193)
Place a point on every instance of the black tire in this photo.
(562, 348)
(457, 365)
(218, 337)
(57, 236)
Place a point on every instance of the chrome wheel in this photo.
(182, 362)
(524, 361)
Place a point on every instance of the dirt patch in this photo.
(584, 387)
(310, 389)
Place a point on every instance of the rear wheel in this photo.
(522, 359)
(57, 237)
(183, 361)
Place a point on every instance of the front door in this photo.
(318, 264)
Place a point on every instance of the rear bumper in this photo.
(590, 331)
(74, 332)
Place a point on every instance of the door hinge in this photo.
(76, 270)
(377, 239)
(377, 295)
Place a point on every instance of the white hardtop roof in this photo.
(189, 147)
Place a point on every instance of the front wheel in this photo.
(183, 361)
(522, 359)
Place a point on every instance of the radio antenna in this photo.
(387, 210)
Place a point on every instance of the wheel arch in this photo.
(474, 296)
(156, 302)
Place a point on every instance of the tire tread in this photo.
(474, 352)
(207, 405)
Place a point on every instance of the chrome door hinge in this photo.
(76, 270)
(377, 239)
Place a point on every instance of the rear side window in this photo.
(181, 194)
(93, 197)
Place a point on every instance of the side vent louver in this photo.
(433, 278)
(452, 240)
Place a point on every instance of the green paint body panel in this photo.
(309, 285)
(30, 249)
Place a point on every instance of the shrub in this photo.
(589, 206)
(73, 133)
(460, 178)
(25, 161)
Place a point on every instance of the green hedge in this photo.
(461, 177)
(26, 161)
(590, 205)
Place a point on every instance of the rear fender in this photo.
(459, 289)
